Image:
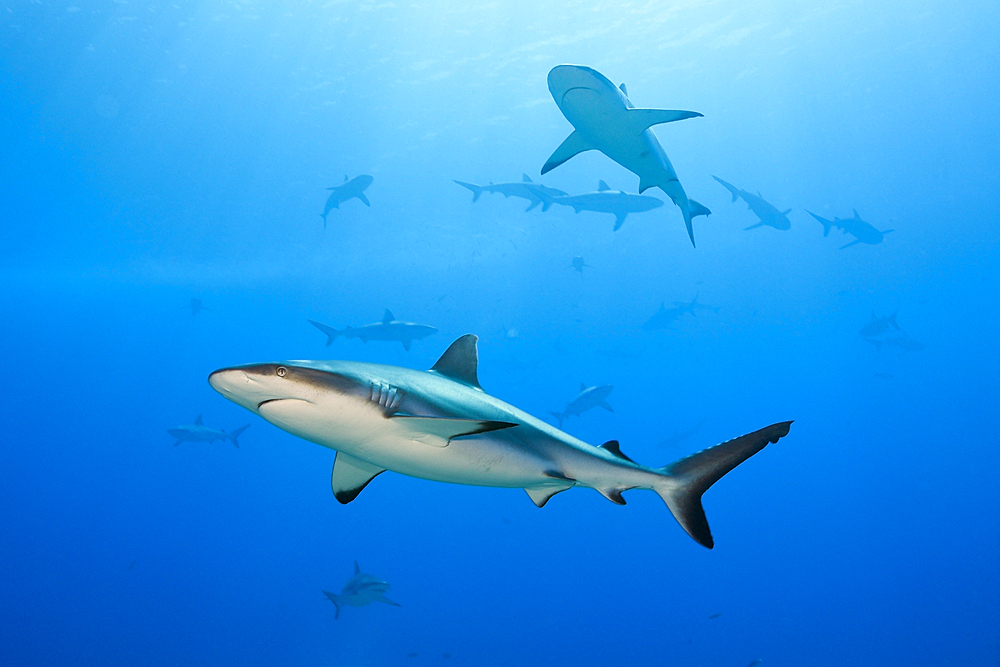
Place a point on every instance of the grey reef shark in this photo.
(353, 188)
(904, 342)
(604, 119)
(198, 432)
(606, 200)
(665, 317)
(578, 264)
(389, 329)
(863, 232)
(879, 325)
(196, 305)
(360, 590)
(440, 425)
(767, 213)
(694, 306)
(589, 397)
(535, 193)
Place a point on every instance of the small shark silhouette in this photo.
(535, 193)
(360, 590)
(589, 397)
(389, 329)
(198, 432)
(351, 188)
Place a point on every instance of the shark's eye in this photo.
(281, 370)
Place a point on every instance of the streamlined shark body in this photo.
(604, 119)
(440, 425)
(389, 329)
(353, 188)
(198, 432)
(606, 200)
(767, 213)
(535, 193)
(588, 398)
(863, 232)
(360, 590)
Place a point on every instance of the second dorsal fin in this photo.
(460, 361)
(612, 446)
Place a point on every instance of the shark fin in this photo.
(583, 387)
(331, 333)
(349, 478)
(439, 431)
(604, 404)
(732, 188)
(614, 495)
(559, 417)
(197, 421)
(848, 245)
(460, 361)
(476, 190)
(387, 316)
(856, 216)
(892, 320)
(759, 224)
(622, 88)
(336, 600)
(382, 598)
(406, 344)
(357, 568)
(613, 447)
(620, 220)
(602, 186)
(533, 204)
(688, 478)
(827, 224)
(574, 144)
(235, 434)
(526, 179)
(541, 495)
(786, 212)
(641, 120)
(363, 198)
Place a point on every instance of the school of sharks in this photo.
(441, 425)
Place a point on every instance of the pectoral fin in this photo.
(574, 144)
(439, 431)
(641, 120)
(363, 198)
(350, 476)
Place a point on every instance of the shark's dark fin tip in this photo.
(461, 361)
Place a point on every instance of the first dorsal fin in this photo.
(583, 387)
(622, 88)
(197, 421)
(613, 447)
(357, 569)
(602, 186)
(388, 316)
(526, 179)
(460, 361)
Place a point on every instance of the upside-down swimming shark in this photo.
(767, 213)
(198, 432)
(440, 425)
(389, 329)
(589, 397)
(606, 200)
(536, 193)
(360, 590)
(353, 188)
(863, 232)
(605, 119)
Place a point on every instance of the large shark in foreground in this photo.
(353, 188)
(604, 119)
(606, 200)
(389, 329)
(863, 232)
(440, 425)
(767, 213)
(198, 432)
(360, 590)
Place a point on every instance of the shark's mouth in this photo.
(570, 90)
(275, 400)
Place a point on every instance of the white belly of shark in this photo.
(440, 425)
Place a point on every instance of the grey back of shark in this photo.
(360, 590)
(353, 188)
(440, 425)
(535, 193)
(665, 317)
(389, 329)
(863, 232)
(198, 432)
(767, 213)
(588, 398)
(606, 200)
(605, 119)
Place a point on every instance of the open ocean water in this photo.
(156, 153)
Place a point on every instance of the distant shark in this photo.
(198, 432)
(389, 329)
(360, 590)
(589, 397)
(535, 193)
(606, 200)
(604, 119)
(693, 306)
(440, 425)
(680, 435)
(879, 325)
(904, 342)
(664, 317)
(767, 214)
(196, 305)
(862, 231)
(578, 264)
(351, 189)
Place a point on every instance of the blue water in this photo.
(151, 153)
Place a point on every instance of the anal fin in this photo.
(541, 495)
(350, 476)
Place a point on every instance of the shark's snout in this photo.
(249, 386)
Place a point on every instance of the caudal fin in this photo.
(336, 600)
(690, 212)
(827, 224)
(235, 434)
(686, 480)
(476, 189)
(331, 333)
(559, 416)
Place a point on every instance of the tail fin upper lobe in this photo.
(235, 434)
(335, 599)
(331, 333)
(687, 479)
(476, 190)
